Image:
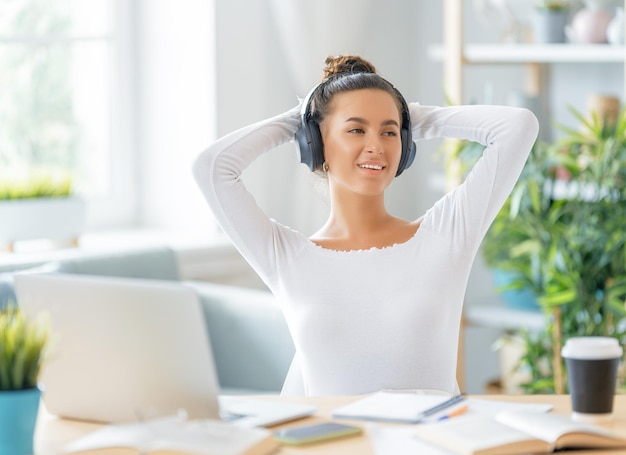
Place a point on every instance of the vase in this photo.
(549, 26)
(615, 30)
(589, 25)
(18, 416)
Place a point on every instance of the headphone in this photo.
(311, 147)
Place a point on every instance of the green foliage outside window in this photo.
(38, 126)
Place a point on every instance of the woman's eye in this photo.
(390, 133)
(356, 131)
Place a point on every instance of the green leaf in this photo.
(22, 349)
(558, 298)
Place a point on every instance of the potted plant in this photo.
(41, 205)
(22, 350)
(517, 266)
(584, 275)
(560, 236)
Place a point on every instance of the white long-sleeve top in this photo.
(383, 318)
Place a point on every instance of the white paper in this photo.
(400, 441)
(492, 408)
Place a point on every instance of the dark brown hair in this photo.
(345, 73)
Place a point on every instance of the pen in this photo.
(440, 407)
(455, 412)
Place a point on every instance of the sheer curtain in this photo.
(310, 31)
(175, 88)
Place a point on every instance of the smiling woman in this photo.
(372, 301)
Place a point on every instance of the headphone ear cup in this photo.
(310, 145)
(304, 146)
(309, 137)
(317, 146)
(409, 148)
(408, 157)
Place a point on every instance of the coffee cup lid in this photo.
(590, 348)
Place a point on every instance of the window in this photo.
(59, 73)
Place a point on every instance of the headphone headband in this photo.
(311, 146)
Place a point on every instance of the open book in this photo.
(516, 432)
(173, 436)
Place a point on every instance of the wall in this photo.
(175, 90)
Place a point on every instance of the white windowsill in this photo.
(111, 241)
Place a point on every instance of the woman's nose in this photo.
(373, 145)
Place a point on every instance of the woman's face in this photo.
(361, 136)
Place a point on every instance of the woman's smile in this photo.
(372, 167)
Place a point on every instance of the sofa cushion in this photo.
(251, 343)
(157, 263)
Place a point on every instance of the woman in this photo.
(372, 301)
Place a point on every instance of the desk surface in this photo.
(52, 433)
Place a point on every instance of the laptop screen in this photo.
(121, 346)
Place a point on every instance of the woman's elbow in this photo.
(527, 121)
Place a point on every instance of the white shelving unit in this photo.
(535, 53)
(456, 54)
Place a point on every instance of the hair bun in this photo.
(346, 64)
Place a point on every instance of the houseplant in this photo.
(23, 344)
(560, 235)
(38, 205)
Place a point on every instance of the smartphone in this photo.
(306, 434)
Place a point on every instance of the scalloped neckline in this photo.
(374, 249)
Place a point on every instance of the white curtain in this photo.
(312, 30)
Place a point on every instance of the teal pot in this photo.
(521, 299)
(18, 416)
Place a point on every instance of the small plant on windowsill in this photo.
(39, 185)
(40, 205)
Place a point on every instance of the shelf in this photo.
(536, 53)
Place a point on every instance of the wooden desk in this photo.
(52, 433)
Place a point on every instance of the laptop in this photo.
(123, 349)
